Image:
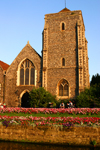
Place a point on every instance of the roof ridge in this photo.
(65, 9)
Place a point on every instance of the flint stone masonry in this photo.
(68, 44)
(54, 135)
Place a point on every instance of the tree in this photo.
(40, 98)
(95, 79)
(89, 97)
(85, 98)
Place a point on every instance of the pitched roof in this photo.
(4, 65)
(64, 10)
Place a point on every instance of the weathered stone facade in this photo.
(63, 67)
(64, 38)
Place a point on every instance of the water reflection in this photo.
(24, 146)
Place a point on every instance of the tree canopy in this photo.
(90, 97)
(95, 79)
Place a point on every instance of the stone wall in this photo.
(45, 134)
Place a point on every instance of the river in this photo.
(29, 146)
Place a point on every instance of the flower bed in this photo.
(62, 121)
(51, 110)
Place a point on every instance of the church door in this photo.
(25, 100)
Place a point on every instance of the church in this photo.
(62, 69)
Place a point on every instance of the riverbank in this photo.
(85, 136)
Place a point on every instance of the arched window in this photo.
(27, 73)
(63, 61)
(63, 26)
(63, 88)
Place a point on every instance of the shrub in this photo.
(89, 97)
(40, 98)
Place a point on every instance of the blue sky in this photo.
(23, 20)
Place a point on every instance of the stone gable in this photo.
(13, 91)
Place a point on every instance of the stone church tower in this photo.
(65, 56)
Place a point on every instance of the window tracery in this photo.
(63, 88)
(27, 73)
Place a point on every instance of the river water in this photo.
(28, 146)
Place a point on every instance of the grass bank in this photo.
(50, 115)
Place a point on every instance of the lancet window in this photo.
(63, 26)
(63, 61)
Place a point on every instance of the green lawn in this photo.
(47, 115)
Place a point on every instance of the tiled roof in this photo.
(4, 65)
(64, 10)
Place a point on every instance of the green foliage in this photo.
(72, 13)
(41, 98)
(84, 99)
(95, 79)
(93, 142)
(89, 97)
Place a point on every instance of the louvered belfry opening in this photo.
(63, 88)
(27, 73)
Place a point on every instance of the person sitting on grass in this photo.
(70, 104)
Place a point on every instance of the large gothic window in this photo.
(27, 73)
(63, 88)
